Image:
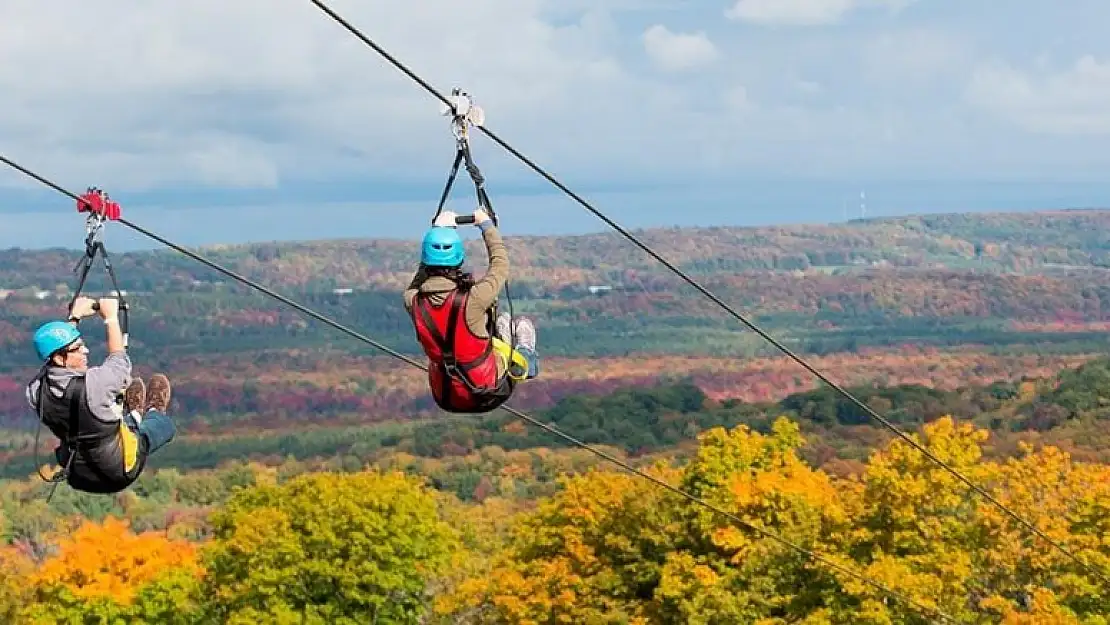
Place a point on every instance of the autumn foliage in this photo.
(613, 548)
(610, 547)
(108, 561)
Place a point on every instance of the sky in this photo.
(226, 122)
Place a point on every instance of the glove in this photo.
(445, 219)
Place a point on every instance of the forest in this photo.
(314, 481)
(550, 536)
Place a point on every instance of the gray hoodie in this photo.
(103, 386)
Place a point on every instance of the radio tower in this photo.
(862, 205)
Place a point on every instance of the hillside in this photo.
(941, 301)
(985, 335)
(504, 524)
(996, 241)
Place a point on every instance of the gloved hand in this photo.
(445, 219)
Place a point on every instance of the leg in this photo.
(504, 327)
(158, 429)
(527, 370)
(525, 332)
(524, 360)
(519, 365)
(156, 425)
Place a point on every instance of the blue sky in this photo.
(209, 127)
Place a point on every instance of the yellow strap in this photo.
(130, 444)
(502, 349)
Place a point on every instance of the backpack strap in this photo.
(446, 344)
(72, 396)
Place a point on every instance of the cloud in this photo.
(253, 100)
(916, 55)
(804, 12)
(678, 51)
(1075, 101)
(139, 95)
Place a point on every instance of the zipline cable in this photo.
(513, 411)
(709, 294)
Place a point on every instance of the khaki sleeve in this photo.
(414, 287)
(485, 291)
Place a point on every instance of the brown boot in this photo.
(134, 398)
(158, 397)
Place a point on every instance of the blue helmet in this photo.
(442, 247)
(54, 335)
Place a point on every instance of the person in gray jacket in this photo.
(107, 422)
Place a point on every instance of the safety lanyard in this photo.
(464, 113)
(100, 208)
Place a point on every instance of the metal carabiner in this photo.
(463, 113)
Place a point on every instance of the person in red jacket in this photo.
(453, 315)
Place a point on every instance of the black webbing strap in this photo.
(93, 246)
(451, 366)
(462, 153)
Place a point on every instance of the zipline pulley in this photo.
(464, 113)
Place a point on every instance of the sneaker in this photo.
(159, 395)
(503, 327)
(525, 333)
(134, 398)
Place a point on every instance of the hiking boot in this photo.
(525, 333)
(503, 327)
(158, 396)
(134, 398)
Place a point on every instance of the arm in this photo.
(104, 384)
(485, 291)
(414, 287)
(82, 307)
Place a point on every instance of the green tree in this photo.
(327, 548)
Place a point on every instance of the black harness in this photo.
(486, 398)
(90, 454)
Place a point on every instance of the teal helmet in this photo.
(442, 247)
(54, 335)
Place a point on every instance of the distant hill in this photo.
(936, 300)
(996, 241)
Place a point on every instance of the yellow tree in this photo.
(107, 571)
(15, 568)
(914, 529)
(922, 531)
(1070, 503)
(741, 574)
(614, 548)
(591, 554)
